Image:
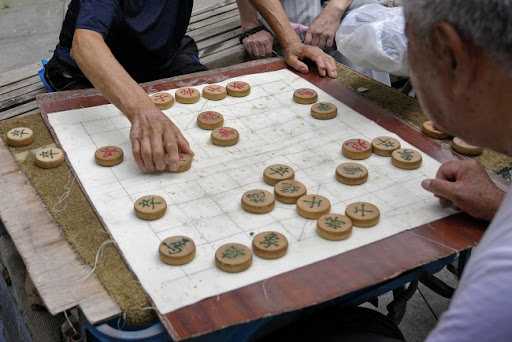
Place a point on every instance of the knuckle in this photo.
(456, 196)
(171, 148)
(158, 153)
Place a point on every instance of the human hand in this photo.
(465, 185)
(259, 45)
(323, 29)
(296, 52)
(152, 134)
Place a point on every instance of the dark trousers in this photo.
(61, 76)
(336, 324)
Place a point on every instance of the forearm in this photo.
(152, 134)
(338, 6)
(248, 15)
(106, 74)
(275, 16)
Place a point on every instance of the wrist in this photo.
(338, 7)
(252, 31)
(143, 109)
(250, 25)
(286, 45)
(498, 198)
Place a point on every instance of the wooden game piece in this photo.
(324, 111)
(406, 158)
(334, 227)
(313, 206)
(430, 130)
(150, 207)
(177, 250)
(463, 147)
(187, 95)
(270, 245)
(273, 174)
(224, 136)
(233, 257)
(184, 162)
(238, 88)
(258, 201)
(49, 157)
(305, 96)
(384, 146)
(108, 155)
(20, 136)
(210, 120)
(162, 100)
(351, 173)
(356, 149)
(363, 214)
(289, 191)
(214, 92)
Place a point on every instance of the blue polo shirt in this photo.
(143, 35)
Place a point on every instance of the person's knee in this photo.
(186, 64)
(60, 76)
(186, 60)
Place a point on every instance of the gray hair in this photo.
(486, 23)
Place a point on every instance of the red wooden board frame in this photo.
(326, 279)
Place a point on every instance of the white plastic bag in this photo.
(373, 36)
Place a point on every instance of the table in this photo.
(334, 277)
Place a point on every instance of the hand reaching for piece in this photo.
(466, 185)
(152, 135)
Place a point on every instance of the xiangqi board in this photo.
(204, 202)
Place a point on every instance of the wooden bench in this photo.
(215, 30)
(18, 90)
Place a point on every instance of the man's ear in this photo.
(457, 57)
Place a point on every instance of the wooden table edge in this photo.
(35, 234)
(436, 240)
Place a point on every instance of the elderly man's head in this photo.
(460, 56)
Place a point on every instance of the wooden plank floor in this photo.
(18, 90)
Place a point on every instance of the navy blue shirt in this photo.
(143, 35)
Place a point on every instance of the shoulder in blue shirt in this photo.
(143, 35)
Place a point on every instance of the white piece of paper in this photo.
(204, 202)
